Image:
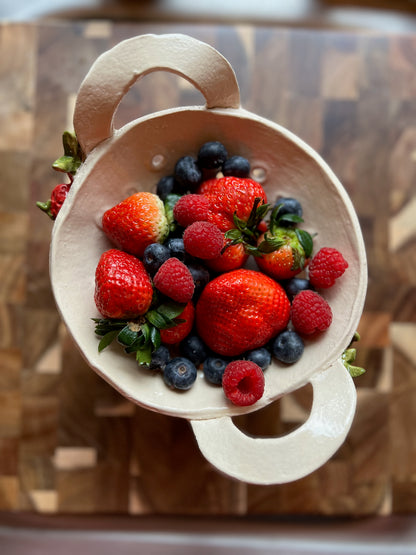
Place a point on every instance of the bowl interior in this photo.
(134, 159)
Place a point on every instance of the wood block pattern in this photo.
(69, 443)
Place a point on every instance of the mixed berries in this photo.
(176, 292)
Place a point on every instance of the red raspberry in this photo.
(310, 313)
(191, 208)
(203, 240)
(326, 266)
(174, 280)
(177, 333)
(243, 382)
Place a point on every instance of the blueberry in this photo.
(176, 248)
(212, 155)
(288, 205)
(193, 347)
(187, 173)
(154, 256)
(214, 369)
(296, 285)
(180, 373)
(201, 277)
(237, 166)
(160, 357)
(288, 347)
(262, 357)
(166, 186)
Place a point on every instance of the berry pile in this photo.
(176, 291)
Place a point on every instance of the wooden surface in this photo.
(69, 444)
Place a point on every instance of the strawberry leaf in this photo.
(169, 204)
(270, 244)
(157, 320)
(305, 240)
(67, 164)
(234, 235)
(107, 339)
(171, 309)
(144, 355)
(155, 337)
(127, 336)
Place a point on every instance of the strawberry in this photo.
(54, 204)
(230, 197)
(287, 260)
(232, 257)
(136, 222)
(284, 250)
(240, 311)
(122, 286)
(183, 327)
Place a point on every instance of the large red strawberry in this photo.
(241, 310)
(229, 197)
(136, 222)
(123, 288)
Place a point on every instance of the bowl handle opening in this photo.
(287, 458)
(115, 71)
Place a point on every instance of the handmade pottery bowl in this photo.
(121, 161)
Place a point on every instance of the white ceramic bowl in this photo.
(134, 158)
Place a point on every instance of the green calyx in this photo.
(68, 163)
(282, 231)
(142, 335)
(246, 231)
(349, 356)
(46, 207)
(73, 156)
(169, 204)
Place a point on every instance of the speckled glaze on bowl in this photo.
(133, 158)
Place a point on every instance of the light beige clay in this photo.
(134, 157)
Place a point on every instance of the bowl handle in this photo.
(115, 71)
(284, 459)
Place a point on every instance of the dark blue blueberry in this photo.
(187, 173)
(154, 256)
(166, 186)
(194, 348)
(180, 373)
(160, 357)
(296, 285)
(177, 248)
(262, 357)
(201, 277)
(237, 166)
(214, 369)
(212, 155)
(288, 347)
(288, 205)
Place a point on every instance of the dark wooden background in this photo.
(69, 444)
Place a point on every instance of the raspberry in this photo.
(326, 266)
(174, 280)
(311, 313)
(191, 208)
(243, 382)
(203, 240)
